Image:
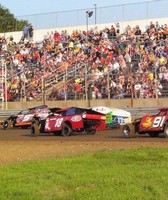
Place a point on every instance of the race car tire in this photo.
(128, 130)
(154, 134)
(91, 132)
(35, 128)
(66, 130)
(5, 124)
(166, 130)
(13, 123)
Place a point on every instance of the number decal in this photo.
(119, 119)
(27, 117)
(158, 121)
(58, 122)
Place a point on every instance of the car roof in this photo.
(39, 107)
(163, 109)
(64, 109)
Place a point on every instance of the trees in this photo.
(8, 22)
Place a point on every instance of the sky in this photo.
(22, 9)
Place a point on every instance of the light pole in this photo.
(4, 81)
(43, 86)
(132, 88)
(88, 14)
(95, 5)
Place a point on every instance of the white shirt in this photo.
(137, 86)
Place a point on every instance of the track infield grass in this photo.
(139, 174)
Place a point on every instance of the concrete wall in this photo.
(40, 34)
(122, 103)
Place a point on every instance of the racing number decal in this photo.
(58, 122)
(119, 119)
(158, 121)
(27, 117)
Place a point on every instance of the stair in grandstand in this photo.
(164, 90)
(59, 82)
(72, 78)
(1, 88)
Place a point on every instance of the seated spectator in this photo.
(105, 57)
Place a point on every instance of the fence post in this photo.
(108, 85)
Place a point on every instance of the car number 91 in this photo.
(158, 121)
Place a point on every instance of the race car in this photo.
(68, 121)
(114, 117)
(24, 118)
(152, 124)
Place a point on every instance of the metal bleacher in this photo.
(1, 87)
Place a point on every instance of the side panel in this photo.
(22, 120)
(55, 123)
(152, 123)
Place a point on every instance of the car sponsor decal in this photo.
(52, 119)
(147, 123)
(76, 118)
(47, 127)
(155, 123)
(109, 118)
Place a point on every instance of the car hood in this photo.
(115, 111)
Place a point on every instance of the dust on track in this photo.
(16, 145)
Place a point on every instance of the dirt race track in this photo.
(16, 145)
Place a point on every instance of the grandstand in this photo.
(99, 64)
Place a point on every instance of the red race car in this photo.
(151, 124)
(24, 118)
(68, 121)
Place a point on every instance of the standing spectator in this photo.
(117, 28)
(165, 31)
(137, 88)
(112, 32)
(25, 32)
(136, 57)
(157, 26)
(31, 33)
(137, 31)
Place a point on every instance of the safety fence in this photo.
(101, 15)
(135, 112)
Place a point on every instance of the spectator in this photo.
(26, 32)
(137, 31)
(103, 58)
(31, 32)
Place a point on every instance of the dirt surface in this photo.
(16, 145)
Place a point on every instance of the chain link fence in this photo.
(101, 15)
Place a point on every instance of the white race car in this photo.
(114, 116)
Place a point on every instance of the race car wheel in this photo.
(166, 130)
(5, 124)
(128, 130)
(35, 128)
(13, 123)
(91, 132)
(154, 134)
(66, 130)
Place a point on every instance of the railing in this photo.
(68, 77)
(101, 15)
(135, 112)
(63, 80)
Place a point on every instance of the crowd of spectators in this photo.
(103, 63)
